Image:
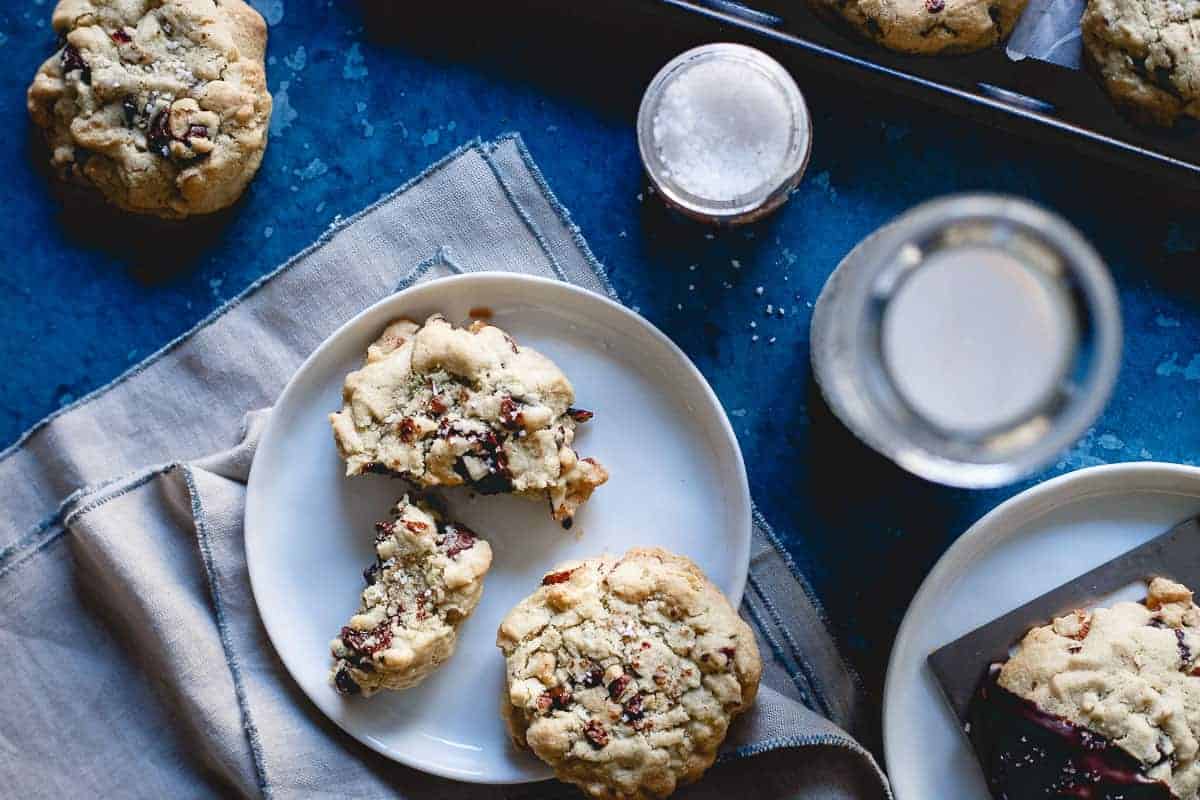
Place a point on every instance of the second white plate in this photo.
(678, 481)
(1032, 543)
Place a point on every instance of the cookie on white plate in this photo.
(426, 580)
(624, 673)
(446, 406)
(1102, 703)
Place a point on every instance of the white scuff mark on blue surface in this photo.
(355, 68)
(1163, 321)
(320, 207)
(1181, 239)
(1081, 454)
(272, 10)
(268, 232)
(3, 38)
(430, 137)
(1110, 442)
(451, 125)
(738, 412)
(821, 181)
(283, 115)
(360, 106)
(1171, 367)
(297, 60)
(1146, 454)
(403, 128)
(315, 169)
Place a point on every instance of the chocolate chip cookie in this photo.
(1147, 53)
(1102, 704)
(927, 27)
(623, 673)
(446, 406)
(427, 578)
(160, 106)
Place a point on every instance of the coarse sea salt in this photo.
(723, 129)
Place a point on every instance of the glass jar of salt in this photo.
(972, 340)
(724, 133)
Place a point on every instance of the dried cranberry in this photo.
(557, 577)
(120, 36)
(372, 641)
(579, 415)
(437, 406)
(618, 687)
(385, 528)
(415, 525)
(159, 135)
(934, 6)
(727, 652)
(408, 429)
(345, 683)
(197, 132)
(457, 539)
(72, 60)
(633, 709)
(595, 733)
(1185, 652)
(510, 415)
(592, 677)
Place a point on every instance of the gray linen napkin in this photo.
(134, 660)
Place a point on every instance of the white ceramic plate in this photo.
(1040, 539)
(678, 481)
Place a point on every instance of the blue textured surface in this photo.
(357, 112)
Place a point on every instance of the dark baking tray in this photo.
(1032, 98)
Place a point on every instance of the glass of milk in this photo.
(972, 340)
(724, 133)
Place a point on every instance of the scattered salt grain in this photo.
(754, 338)
(736, 264)
(758, 290)
(770, 309)
(771, 340)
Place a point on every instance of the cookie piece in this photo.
(1147, 53)
(446, 406)
(623, 674)
(927, 27)
(162, 106)
(426, 579)
(1099, 704)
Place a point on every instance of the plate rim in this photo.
(1018, 510)
(540, 284)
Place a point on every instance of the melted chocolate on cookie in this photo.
(1027, 753)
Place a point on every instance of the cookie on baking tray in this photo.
(927, 27)
(1147, 53)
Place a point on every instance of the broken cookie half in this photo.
(426, 580)
(446, 406)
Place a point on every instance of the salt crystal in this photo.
(758, 290)
(723, 129)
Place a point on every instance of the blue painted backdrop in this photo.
(361, 105)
